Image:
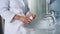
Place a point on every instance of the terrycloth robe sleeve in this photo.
(4, 10)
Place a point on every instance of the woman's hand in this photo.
(31, 16)
(25, 20)
(22, 18)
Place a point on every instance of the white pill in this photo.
(31, 18)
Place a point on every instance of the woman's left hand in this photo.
(31, 15)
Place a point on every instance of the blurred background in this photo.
(47, 20)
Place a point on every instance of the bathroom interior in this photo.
(47, 19)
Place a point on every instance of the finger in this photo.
(28, 19)
(34, 16)
(26, 22)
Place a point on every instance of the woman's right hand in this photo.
(22, 18)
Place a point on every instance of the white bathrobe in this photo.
(8, 9)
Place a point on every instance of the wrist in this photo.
(17, 17)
